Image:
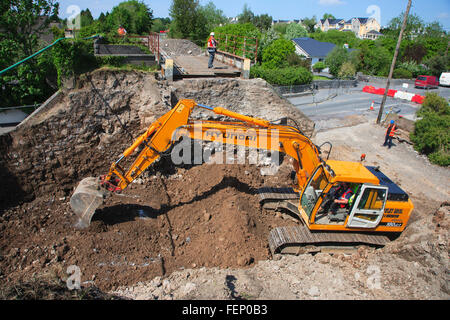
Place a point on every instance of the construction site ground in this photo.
(198, 231)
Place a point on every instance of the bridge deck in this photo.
(197, 66)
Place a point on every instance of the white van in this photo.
(444, 80)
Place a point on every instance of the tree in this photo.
(347, 70)
(247, 15)
(280, 27)
(434, 30)
(263, 22)
(414, 26)
(160, 24)
(438, 64)
(295, 30)
(373, 59)
(187, 20)
(86, 18)
(335, 59)
(414, 51)
(24, 21)
(328, 16)
(214, 17)
(133, 15)
(309, 23)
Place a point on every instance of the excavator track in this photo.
(270, 198)
(299, 239)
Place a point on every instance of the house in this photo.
(330, 24)
(372, 35)
(312, 49)
(359, 26)
(297, 21)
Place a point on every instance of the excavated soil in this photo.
(175, 47)
(205, 216)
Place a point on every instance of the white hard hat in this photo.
(211, 34)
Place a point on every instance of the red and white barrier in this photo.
(395, 94)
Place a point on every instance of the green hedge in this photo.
(431, 134)
(283, 76)
(402, 74)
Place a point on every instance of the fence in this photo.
(246, 47)
(316, 85)
(150, 41)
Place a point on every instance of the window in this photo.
(312, 192)
(372, 199)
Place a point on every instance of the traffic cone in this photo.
(371, 106)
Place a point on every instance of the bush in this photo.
(319, 66)
(283, 76)
(402, 74)
(294, 60)
(347, 70)
(72, 58)
(335, 59)
(431, 134)
(414, 68)
(434, 103)
(275, 55)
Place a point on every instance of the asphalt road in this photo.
(328, 108)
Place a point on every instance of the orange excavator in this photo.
(373, 208)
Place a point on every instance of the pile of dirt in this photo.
(205, 216)
(180, 47)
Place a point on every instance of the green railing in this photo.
(39, 52)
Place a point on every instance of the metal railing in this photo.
(246, 47)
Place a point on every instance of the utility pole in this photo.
(394, 60)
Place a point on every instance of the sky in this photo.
(384, 10)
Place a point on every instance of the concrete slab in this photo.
(198, 66)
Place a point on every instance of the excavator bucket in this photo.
(88, 196)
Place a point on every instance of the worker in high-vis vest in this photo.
(390, 132)
(212, 47)
(343, 200)
(121, 31)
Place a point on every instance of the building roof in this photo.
(375, 32)
(313, 47)
(363, 20)
(335, 21)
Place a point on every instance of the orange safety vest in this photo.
(121, 31)
(211, 42)
(392, 132)
(343, 197)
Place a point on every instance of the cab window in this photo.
(316, 184)
(372, 199)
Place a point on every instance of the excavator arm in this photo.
(160, 136)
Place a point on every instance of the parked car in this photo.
(427, 82)
(444, 80)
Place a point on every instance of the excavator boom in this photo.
(159, 137)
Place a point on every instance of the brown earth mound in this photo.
(208, 215)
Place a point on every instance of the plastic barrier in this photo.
(395, 94)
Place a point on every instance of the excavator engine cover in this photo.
(88, 196)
